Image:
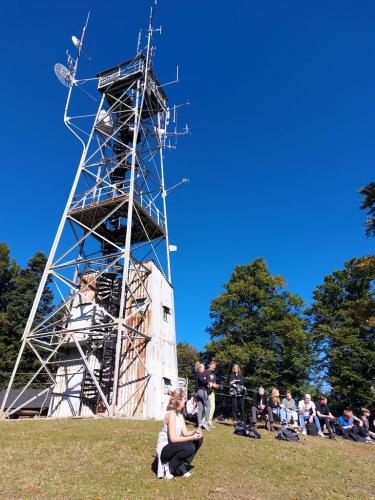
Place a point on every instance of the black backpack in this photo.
(287, 435)
(311, 429)
(241, 429)
(253, 434)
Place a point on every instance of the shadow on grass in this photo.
(154, 465)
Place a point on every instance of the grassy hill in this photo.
(111, 459)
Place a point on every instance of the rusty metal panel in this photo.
(133, 378)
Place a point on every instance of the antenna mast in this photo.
(109, 345)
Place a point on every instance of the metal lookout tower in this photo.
(109, 345)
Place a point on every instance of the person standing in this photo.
(211, 391)
(237, 391)
(202, 386)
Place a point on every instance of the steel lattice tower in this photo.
(109, 345)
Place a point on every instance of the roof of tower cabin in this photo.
(36, 403)
(119, 67)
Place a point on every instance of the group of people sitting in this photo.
(311, 417)
(176, 446)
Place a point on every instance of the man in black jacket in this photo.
(260, 406)
(325, 416)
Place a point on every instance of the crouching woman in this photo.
(176, 446)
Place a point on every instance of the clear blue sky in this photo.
(282, 117)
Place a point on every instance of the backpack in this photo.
(241, 429)
(311, 429)
(253, 434)
(287, 435)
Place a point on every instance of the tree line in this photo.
(328, 347)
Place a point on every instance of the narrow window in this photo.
(166, 313)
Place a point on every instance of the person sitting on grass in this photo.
(325, 416)
(259, 407)
(348, 429)
(307, 413)
(291, 409)
(176, 446)
(275, 404)
(365, 418)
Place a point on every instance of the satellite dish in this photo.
(76, 42)
(63, 74)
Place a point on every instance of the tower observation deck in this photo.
(109, 347)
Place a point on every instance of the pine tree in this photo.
(8, 271)
(343, 326)
(260, 326)
(368, 203)
(18, 301)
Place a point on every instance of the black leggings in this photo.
(178, 453)
(235, 401)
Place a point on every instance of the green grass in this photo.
(111, 459)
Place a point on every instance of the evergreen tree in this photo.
(368, 203)
(18, 300)
(187, 355)
(8, 271)
(260, 326)
(343, 326)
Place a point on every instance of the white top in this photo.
(306, 408)
(163, 438)
(163, 435)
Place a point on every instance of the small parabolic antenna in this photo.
(63, 74)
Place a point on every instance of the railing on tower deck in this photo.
(121, 71)
(99, 195)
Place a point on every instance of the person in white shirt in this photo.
(307, 413)
(176, 446)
